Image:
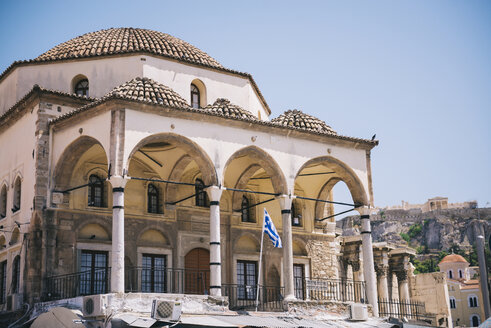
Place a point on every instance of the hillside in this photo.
(433, 234)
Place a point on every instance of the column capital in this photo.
(118, 181)
(214, 193)
(401, 275)
(285, 201)
(381, 270)
(364, 211)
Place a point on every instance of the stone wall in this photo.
(323, 255)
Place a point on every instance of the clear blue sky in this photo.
(416, 73)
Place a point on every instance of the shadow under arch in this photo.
(197, 153)
(70, 156)
(264, 161)
(343, 173)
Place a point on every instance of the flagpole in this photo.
(260, 262)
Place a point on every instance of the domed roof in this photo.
(224, 107)
(128, 40)
(453, 258)
(298, 119)
(148, 90)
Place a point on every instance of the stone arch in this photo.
(299, 247)
(344, 173)
(69, 158)
(93, 231)
(153, 235)
(266, 162)
(176, 174)
(197, 153)
(325, 193)
(247, 243)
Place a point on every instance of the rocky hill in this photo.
(432, 234)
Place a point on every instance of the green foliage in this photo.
(415, 230)
(405, 236)
(425, 266)
(421, 249)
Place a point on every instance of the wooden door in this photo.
(197, 271)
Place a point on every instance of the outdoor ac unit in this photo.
(94, 306)
(166, 310)
(14, 302)
(358, 312)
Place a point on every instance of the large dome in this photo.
(453, 258)
(128, 40)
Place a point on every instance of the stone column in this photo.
(368, 265)
(286, 205)
(117, 255)
(214, 194)
(383, 289)
(402, 278)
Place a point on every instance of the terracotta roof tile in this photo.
(147, 90)
(128, 40)
(298, 119)
(224, 107)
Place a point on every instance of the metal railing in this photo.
(242, 297)
(341, 290)
(412, 310)
(167, 280)
(88, 282)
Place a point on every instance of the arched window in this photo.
(17, 194)
(81, 88)
(472, 301)
(195, 96)
(201, 196)
(450, 274)
(475, 320)
(153, 199)
(96, 191)
(296, 214)
(452, 303)
(16, 274)
(3, 202)
(245, 210)
(460, 274)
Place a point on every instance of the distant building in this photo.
(464, 293)
(432, 204)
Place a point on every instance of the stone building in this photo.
(464, 292)
(131, 161)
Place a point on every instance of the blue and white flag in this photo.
(270, 229)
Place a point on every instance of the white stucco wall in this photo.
(235, 88)
(107, 73)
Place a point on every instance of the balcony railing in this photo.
(412, 310)
(341, 290)
(167, 280)
(242, 297)
(89, 282)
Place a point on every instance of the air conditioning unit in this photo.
(94, 306)
(358, 312)
(14, 302)
(166, 310)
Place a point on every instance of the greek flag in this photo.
(270, 229)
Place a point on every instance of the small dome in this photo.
(298, 119)
(453, 258)
(224, 107)
(128, 40)
(147, 90)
